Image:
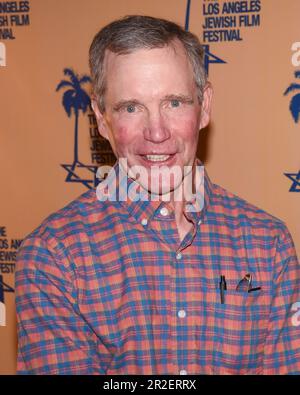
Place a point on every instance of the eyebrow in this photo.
(128, 102)
(182, 98)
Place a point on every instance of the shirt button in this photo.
(183, 372)
(144, 221)
(199, 222)
(164, 211)
(179, 256)
(181, 313)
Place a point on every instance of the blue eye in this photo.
(130, 108)
(175, 103)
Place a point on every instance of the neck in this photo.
(183, 224)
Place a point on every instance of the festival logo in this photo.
(208, 56)
(295, 100)
(294, 107)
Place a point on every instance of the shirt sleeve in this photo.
(282, 346)
(53, 337)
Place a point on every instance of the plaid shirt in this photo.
(109, 288)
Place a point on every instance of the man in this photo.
(157, 282)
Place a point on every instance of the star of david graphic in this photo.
(210, 58)
(295, 177)
(81, 173)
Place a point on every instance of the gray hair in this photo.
(135, 32)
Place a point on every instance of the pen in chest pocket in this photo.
(223, 288)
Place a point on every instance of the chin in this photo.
(163, 189)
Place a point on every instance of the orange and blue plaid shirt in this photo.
(109, 288)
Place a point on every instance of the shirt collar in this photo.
(118, 187)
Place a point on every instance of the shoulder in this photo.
(238, 211)
(73, 219)
(65, 235)
(257, 228)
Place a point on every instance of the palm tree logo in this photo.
(77, 99)
(74, 98)
(295, 101)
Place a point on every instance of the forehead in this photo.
(145, 66)
(175, 44)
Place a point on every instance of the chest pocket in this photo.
(238, 329)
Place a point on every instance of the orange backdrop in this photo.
(251, 147)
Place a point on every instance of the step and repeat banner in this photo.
(49, 144)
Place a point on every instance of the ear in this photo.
(101, 122)
(206, 105)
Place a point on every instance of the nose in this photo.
(156, 129)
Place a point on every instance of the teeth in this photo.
(157, 158)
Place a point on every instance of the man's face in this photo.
(152, 114)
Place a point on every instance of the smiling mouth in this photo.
(157, 158)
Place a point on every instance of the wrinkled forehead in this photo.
(174, 46)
